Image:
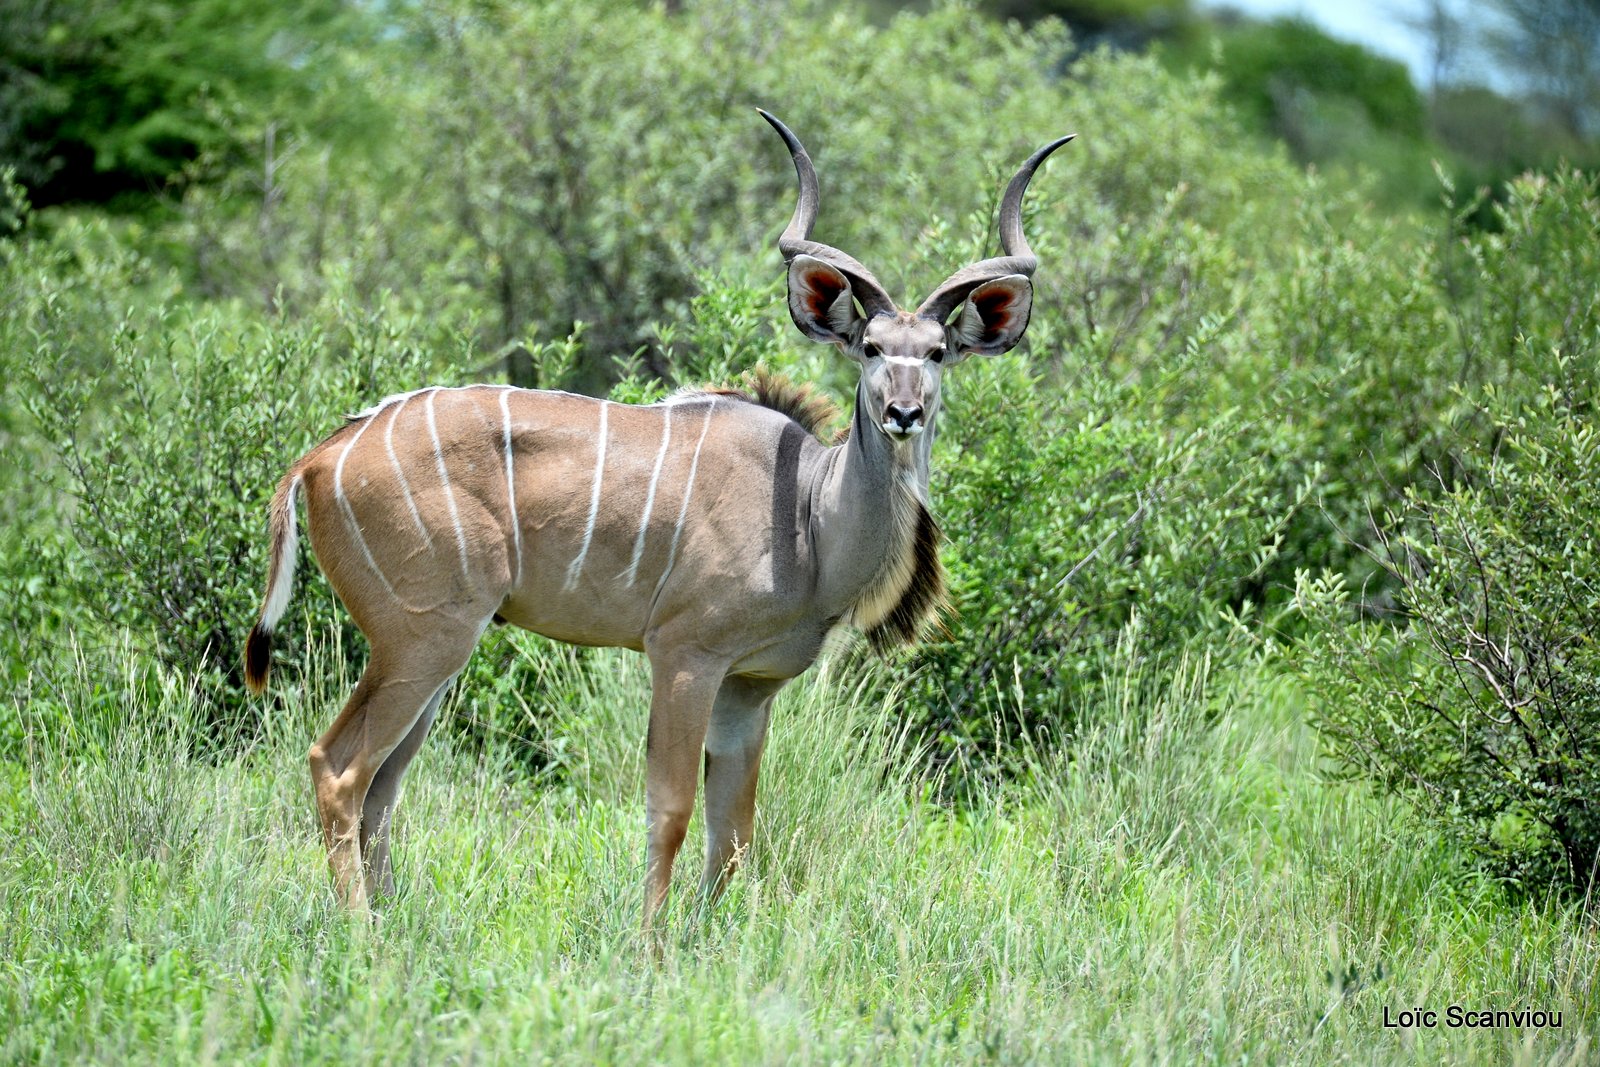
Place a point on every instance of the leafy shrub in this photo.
(1494, 139)
(165, 427)
(1361, 351)
(1270, 64)
(1462, 674)
(596, 198)
(1530, 278)
(103, 97)
(1079, 524)
(1482, 702)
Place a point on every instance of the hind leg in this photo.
(394, 692)
(377, 811)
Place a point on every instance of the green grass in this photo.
(1179, 886)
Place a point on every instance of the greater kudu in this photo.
(712, 531)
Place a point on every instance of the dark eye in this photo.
(937, 355)
(870, 349)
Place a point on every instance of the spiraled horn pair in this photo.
(1018, 259)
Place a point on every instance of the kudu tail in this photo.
(280, 580)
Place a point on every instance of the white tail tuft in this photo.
(280, 581)
(285, 537)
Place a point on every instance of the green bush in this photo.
(1531, 278)
(1332, 102)
(101, 98)
(1481, 702)
(162, 428)
(1494, 138)
(1270, 68)
(1461, 673)
(1081, 524)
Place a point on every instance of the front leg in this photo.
(681, 696)
(734, 743)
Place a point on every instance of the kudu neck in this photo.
(861, 498)
(871, 461)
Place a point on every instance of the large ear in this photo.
(994, 316)
(820, 300)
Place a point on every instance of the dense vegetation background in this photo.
(1270, 696)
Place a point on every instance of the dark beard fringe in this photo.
(924, 599)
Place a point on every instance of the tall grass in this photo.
(1175, 885)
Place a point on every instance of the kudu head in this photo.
(980, 309)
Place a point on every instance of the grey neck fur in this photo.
(865, 500)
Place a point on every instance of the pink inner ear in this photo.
(994, 309)
(821, 289)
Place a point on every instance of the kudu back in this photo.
(713, 531)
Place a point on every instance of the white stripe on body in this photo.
(444, 480)
(349, 512)
(392, 398)
(650, 498)
(400, 472)
(401, 398)
(576, 567)
(688, 490)
(511, 483)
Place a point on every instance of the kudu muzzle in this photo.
(903, 409)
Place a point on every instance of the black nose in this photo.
(904, 416)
